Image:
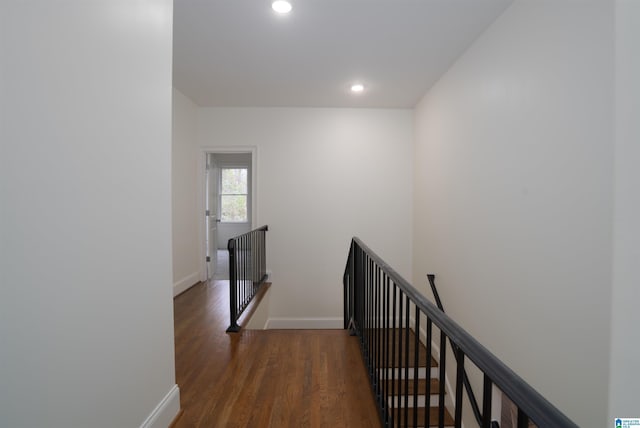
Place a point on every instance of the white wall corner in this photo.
(303, 323)
(166, 411)
(185, 283)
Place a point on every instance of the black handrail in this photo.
(247, 271)
(378, 303)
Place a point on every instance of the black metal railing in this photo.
(247, 271)
(399, 330)
(473, 402)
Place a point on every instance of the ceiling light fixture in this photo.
(357, 88)
(281, 6)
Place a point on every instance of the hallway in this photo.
(264, 378)
(221, 271)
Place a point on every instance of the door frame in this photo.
(212, 175)
(201, 219)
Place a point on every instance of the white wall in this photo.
(624, 385)
(513, 199)
(86, 321)
(184, 174)
(323, 175)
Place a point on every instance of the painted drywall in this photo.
(86, 320)
(259, 318)
(513, 196)
(184, 193)
(624, 385)
(227, 231)
(323, 175)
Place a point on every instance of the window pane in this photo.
(234, 181)
(234, 207)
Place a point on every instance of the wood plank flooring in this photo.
(267, 378)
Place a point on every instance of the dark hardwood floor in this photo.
(264, 378)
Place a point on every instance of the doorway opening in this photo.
(229, 206)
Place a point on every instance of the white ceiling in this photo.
(240, 53)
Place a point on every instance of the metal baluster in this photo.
(369, 316)
(370, 319)
(379, 310)
(374, 344)
(357, 291)
(365, 313)
(486, 402)
(240, 255)
(361, 287)
(523, 419)
(245, 259)
(352, 289)
(383, 337)
(251, 264)
(233, 325)
(239, 259)
(386, 351)
(459, 386)
(406, 363)
(442, 362)
(393, 359)
(416, 364)
(398, 398)
(427, 414)
(248, 280)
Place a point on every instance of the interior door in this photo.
(211, 214)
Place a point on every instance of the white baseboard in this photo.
(304, 323)
(165, 411)
(185, 283)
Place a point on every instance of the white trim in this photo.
(185, 283)
(202, 162)
(304, 323)
(166, 411)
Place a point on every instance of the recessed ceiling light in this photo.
(281, 6)
(357, 88)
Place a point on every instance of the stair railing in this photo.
(399, 329)
(247, 271)
(465, 378)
